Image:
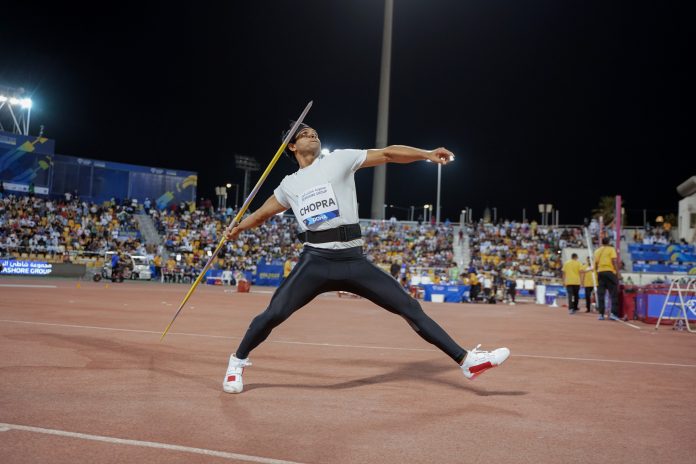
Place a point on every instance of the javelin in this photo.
(239, 215)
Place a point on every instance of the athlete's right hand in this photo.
(440, 156)
(232, 235)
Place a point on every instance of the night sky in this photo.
(542, 101)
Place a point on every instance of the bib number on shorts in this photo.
(318, 204)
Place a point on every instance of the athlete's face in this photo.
(307, 140)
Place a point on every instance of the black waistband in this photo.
(344, 233)
(335, 255)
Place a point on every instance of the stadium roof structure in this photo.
(15, 110)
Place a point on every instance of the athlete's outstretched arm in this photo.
(271, 207)
(404, 154)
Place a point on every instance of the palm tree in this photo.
(605, 209)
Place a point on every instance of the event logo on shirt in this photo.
(318, 204)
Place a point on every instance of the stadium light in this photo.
(20, 118)
(228, 185)
(325, 151)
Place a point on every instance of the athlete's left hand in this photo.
(440, 155)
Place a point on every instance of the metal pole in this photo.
(439, 183)
(588, 242)
(645, 218)
(246, 182)
(617, 223)
(379, 181)
(524, 214)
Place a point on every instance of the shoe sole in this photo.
(483, 368)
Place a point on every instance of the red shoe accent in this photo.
(480, 368)
(231, 378)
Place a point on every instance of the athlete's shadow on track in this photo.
(427, 372)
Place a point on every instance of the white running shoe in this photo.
(477, 361)
(233, 379)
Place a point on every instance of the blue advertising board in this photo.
(650, 305)
(452, 293)
(269, 274)
(29, 268)
(25, 160)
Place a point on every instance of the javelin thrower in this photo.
(322, 196)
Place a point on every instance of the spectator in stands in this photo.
(227, 277)
(475, 289)
(571, 279)
(605, 258)
(395, 269)
(169, 270)
(487, 288)
(511, 285)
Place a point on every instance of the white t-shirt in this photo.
(322, 195)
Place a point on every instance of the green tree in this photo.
(607, 209)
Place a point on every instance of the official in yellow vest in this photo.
(571, 279)
(589, 280)
(605, 258)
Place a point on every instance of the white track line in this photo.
(28, 286)
(145, 444)
(628, 324)
(337, 345)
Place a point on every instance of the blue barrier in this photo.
(452, 293)
(649, 256)
(649, 306)
(664, 268)
(269, 274)
(660, 248)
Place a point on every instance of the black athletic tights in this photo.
(320, 271)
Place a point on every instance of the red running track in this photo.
(84, 378)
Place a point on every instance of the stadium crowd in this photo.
(69, 229)
(60, 229)
(191, 234)
(521, 249)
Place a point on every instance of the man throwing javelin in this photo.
(322, 196)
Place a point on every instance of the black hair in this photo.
(605, 241)
(300, 127)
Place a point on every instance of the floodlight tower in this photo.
(246, 164)
(15, 110)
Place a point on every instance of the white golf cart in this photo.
(135, 267)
